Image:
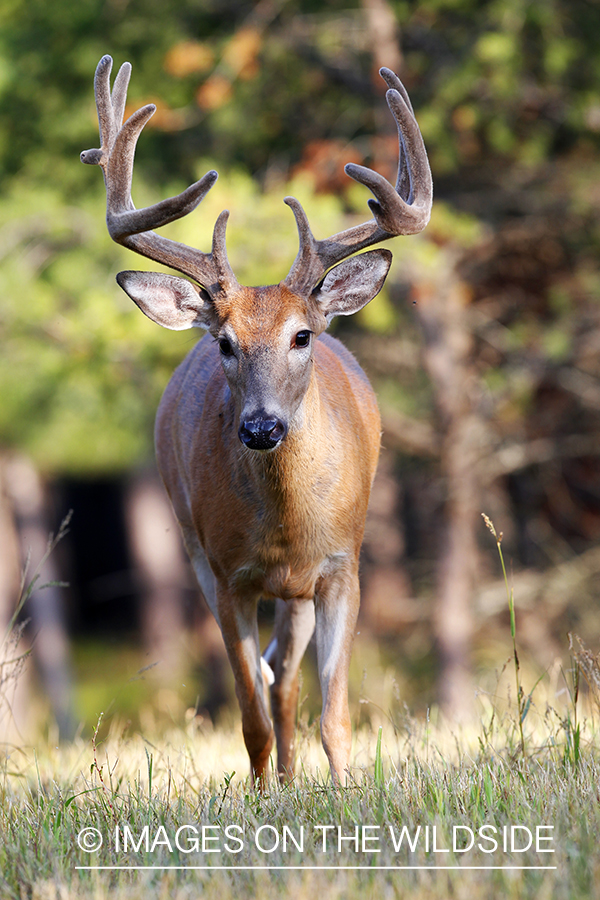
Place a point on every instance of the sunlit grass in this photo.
(406, 772)
(149, 808)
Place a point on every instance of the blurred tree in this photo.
(45, 609)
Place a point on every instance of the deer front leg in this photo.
(336, 607)
(237, 619)
(294, 625)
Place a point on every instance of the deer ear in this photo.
(168, 300)
(352, 284)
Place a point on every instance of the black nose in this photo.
(262, 432)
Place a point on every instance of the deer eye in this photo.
(302, 339)
(225, 347)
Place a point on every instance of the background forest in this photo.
(484, 347)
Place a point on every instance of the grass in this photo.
(429, 810)
(144, 796)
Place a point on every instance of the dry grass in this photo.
(409, 773)
(527, 768)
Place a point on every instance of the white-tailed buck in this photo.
(268, 433)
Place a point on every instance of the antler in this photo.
(403, 210)
(133, 227)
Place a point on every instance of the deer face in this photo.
(265, 335)
(266, 339)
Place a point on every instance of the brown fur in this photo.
(286, 524)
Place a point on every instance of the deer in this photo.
(268, 434)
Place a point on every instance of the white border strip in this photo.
(315, 868)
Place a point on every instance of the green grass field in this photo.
(506, 807)
(176, 817)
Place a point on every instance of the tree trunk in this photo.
(14, 679)
(157, 552)
(45, 605)
(441, 308)
(384, 35)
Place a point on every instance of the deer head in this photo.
(265, 334)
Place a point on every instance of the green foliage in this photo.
(82, 370)
(78, 370)
(501, 88)
(508, 80)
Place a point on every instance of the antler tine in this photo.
(392, 81)
(130, 226)
(403, 184)
(309, 265)
(119, 92)
(110, 110)
(225, 277)
(404, 209)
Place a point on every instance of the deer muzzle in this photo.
(262, 432)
